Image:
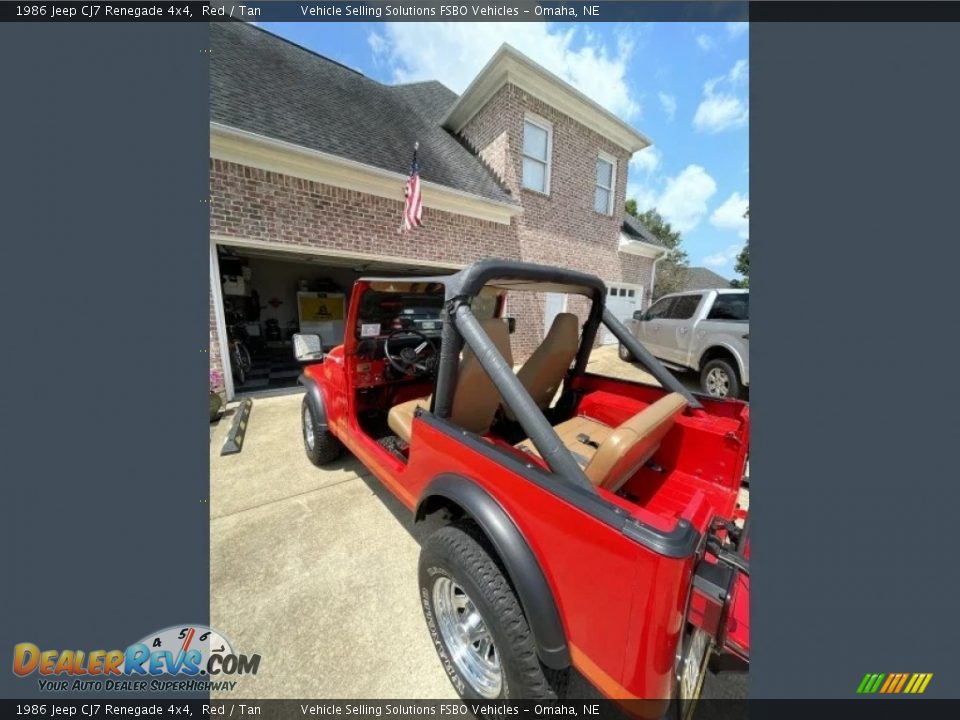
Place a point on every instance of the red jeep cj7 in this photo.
(570, 519)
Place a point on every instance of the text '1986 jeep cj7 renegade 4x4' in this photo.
(593, 527)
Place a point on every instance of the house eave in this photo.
(510, 66)
(232, 144)
(631, 246)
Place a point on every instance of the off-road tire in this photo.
(624, 353)
(325, 447)
(724, 365)
(461, 552)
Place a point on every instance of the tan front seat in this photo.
(543, 371)
(613, 455)
(475, 399)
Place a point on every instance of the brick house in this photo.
(307, 164)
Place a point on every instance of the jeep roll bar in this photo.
(463, 286)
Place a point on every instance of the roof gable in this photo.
(508, 65)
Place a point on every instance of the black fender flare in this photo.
(522, 566)
(314, 398)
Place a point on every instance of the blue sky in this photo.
(684, 85)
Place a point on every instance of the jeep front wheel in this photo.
(321, 445)
(475, 620)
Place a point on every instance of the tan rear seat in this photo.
(620, 451)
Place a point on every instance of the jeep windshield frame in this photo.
(461, 325)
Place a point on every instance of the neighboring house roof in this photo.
(637, 230)
(263, 84)
(508, 65)
(700, 278)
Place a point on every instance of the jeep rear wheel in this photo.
(475, 621)
(321, 445)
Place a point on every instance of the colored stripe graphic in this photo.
(894, 683)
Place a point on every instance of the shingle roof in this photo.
(266, 85)
(700, 278)
(633, 227)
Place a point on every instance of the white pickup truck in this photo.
(703, 330)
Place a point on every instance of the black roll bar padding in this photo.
(448, 365)
(653, 366)
(531, 418)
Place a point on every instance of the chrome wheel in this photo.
(718, 382)
(308, 427)
(692, 655)
(467, 638)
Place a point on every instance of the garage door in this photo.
(622, 300)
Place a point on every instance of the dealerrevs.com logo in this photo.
(202, 658)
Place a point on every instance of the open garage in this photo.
(264, 295)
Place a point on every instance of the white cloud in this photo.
(730, 215)
(683, 201)
(646, 160)
(736, 29)
(705, 42)
(645, 196)
(724, 104)
(669, 104)
(378, 45)
(723, 257)
(454, 53)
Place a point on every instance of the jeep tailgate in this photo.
(720, 599)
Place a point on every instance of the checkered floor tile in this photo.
(272, 369)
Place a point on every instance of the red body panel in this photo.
(622, 605)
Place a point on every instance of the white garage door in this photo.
(622, 300)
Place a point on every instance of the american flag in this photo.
(413, 202)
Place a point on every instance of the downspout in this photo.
(653, 275)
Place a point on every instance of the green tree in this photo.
(743, 263)
(743, 267)
(672, 268)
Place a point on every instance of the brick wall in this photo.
(637, 269)
(561, 228)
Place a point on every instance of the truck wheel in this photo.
(321, 444)
(624, 353)
(476, 623)
(719, 379)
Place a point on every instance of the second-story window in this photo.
(537, 145)
(606, 179)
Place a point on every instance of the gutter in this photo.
(274, 145)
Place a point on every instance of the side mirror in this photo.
(511, 324)
(639, 315)
(307, 347)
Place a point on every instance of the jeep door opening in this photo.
(570, 519)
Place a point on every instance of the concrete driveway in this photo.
(604, 360)
(315, 569)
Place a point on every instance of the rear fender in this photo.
(521, 564)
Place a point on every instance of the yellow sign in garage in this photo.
(320, 307)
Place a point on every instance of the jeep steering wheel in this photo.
(416, 361)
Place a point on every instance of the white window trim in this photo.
(613, 182)
(547, 126)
